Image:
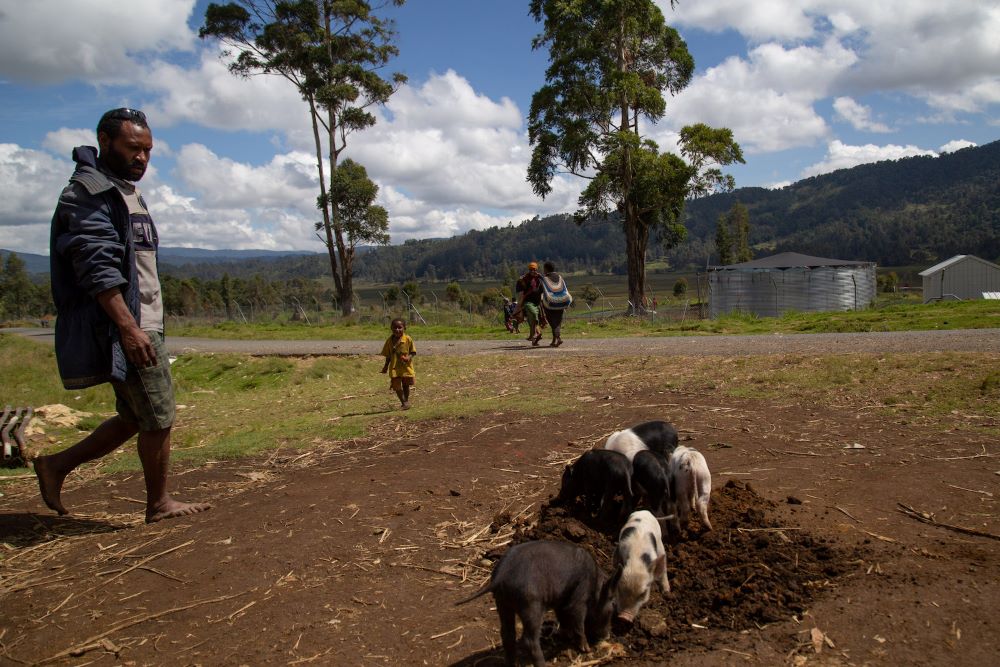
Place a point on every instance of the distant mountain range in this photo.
(912, 211)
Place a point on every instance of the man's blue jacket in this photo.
(90, 250)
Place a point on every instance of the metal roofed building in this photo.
(959, 278)
(790, 281)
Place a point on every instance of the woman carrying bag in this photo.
(555, 299)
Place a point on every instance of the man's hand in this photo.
(138, 347)
(405, 358)
(136, 344)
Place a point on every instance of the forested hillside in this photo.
(913, 211)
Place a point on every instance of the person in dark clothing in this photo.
(106, 290)
(530, 301)
(512, 323)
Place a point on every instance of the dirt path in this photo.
(948, 340)
(353, 553)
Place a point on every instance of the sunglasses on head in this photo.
(124, 113)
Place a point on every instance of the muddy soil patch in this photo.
(750, 571)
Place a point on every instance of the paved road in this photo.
(952, 340)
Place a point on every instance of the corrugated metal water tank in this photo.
(790, 281)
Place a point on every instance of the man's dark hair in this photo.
(111, 121)
(549, 267)
(400, 320)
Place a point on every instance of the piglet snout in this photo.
(626, 616)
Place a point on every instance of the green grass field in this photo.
(897, 313)
(233, 405)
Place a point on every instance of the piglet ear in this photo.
(660, 565)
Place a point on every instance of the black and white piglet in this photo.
(535, 576)
(642, 561)
(691, 485)
(657, 436)
(599, 475)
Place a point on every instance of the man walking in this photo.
(110, 311)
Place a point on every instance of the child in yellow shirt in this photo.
(399, 352)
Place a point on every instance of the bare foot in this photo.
(50, 484)
(405, 405)
(171, 509)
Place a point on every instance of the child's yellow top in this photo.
(393, 349)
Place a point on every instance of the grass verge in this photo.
(232, 405)
(895, 316)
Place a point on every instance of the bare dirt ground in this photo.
(354, 553)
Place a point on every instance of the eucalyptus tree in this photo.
(333, 52)
(353, 195)
(610, 64)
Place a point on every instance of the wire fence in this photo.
(428, 310)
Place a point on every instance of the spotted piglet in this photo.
(642, 560)
(657, 436)
(691, 486)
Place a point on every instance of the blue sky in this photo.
(807, 86)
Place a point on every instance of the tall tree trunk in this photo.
(327, 223)
(344, 292)
(336, 238)
(636, 239)
(347, 268)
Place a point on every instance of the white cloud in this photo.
(926, 48)
(210, 96)
(181, 221)
(766, 99)
(453, 149)
(763, 20)
(238, 205)
(945, 53)
(52, 41)
(843, 156)
(30, 183)
(975, 98)
(858, 115)
(64, 140)
(442, 146)
(26, 238)
(287, 181)
(956, 145)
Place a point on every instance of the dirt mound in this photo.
(748, 572)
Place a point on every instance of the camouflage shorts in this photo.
(146, 397)
(531, 313)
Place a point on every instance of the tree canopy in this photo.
(333, 52)
(610, 64)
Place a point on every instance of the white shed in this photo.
(962, 277)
